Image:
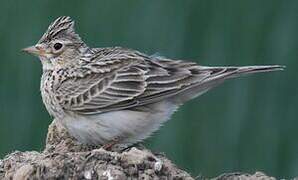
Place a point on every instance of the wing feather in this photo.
(116, 80)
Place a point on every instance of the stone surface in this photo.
(65, 158)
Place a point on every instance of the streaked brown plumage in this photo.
(106, 94)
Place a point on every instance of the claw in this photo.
(110, 144)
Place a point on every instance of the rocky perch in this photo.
(65, 158)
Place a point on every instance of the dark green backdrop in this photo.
(244, 125)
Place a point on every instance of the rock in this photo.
(65, 158)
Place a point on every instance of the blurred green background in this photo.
(246, 124)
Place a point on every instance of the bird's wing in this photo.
(105, 79)
(114, 81)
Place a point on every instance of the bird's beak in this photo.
(34, 50)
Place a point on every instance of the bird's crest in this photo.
(62, 25)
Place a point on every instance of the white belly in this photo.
(127, 125)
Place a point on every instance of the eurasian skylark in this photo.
(107, 96)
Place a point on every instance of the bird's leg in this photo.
(108, 146)
(138, 145)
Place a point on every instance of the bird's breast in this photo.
(47, 88)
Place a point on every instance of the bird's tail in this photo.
(234, 71)
(217, 75)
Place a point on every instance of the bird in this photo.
(116, 97)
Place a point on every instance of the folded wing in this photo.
(122, 82)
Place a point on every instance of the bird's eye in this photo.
(57, 46)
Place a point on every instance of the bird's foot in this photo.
(109, 146)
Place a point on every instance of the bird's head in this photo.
(60, 46)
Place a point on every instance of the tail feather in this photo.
(234, 71)
(256, 69)
(216, 76)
